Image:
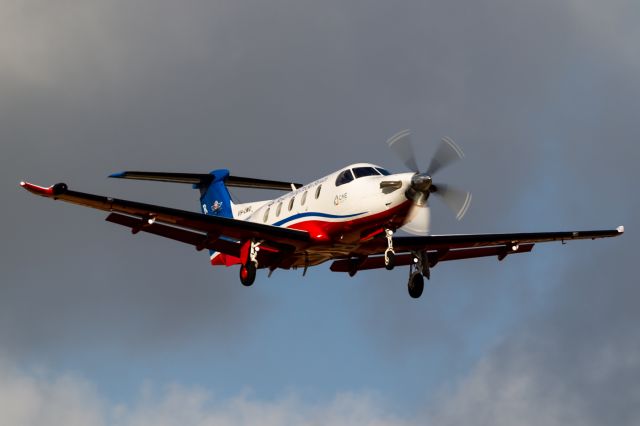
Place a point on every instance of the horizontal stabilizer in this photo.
(191, 178)
(205, 179)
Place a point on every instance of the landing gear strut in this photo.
(248, 269)
(389, 253)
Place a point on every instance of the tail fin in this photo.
(215, 199)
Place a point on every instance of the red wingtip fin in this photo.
(38, 190)
(52, 191)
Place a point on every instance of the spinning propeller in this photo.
(422, 184)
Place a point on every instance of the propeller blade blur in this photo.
(418, 219)
(400, 143)
(456, 199)
(447, 153)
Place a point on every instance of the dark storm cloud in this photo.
(542, 96)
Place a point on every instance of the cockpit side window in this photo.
(364, 171)
(382, 171)
(345, 177)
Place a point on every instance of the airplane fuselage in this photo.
(338, 210)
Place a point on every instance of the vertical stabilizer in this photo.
(215, 199)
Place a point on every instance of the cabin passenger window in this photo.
(364, 171)
(382, 171)
(291, 203)
(266, 214)
(304, 198)
(345, 177)
(318, 191)
(279, 209)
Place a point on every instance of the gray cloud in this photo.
(574, 363)
(36, 398)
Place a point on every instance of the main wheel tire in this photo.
(247, 274)
(391, 262)
(416, 285)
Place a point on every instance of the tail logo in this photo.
(216, 208)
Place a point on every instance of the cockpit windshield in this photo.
(382, 171)
(364, 171)
(344, 177)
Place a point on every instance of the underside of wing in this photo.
(376, 262)
(440, 248)
(217, 233)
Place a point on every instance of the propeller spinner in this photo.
(422, 183)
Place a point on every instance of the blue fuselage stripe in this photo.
(317, 214)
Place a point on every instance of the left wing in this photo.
(212, 232)
(459, 246)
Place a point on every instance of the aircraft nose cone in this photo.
(421, 182)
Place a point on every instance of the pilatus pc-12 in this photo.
(348, 217)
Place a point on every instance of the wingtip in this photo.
(36, 189)
(51, 191)
(620, 229)
(117, 175)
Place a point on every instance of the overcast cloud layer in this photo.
(100, 327)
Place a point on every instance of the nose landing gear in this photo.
(389, 253)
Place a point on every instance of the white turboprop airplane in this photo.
(349, 216)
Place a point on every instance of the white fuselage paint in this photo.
(358, 199)
(322, 205)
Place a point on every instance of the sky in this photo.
(100, 327)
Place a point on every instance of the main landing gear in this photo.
(416, 284)
(418, 270)
(248, 269)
